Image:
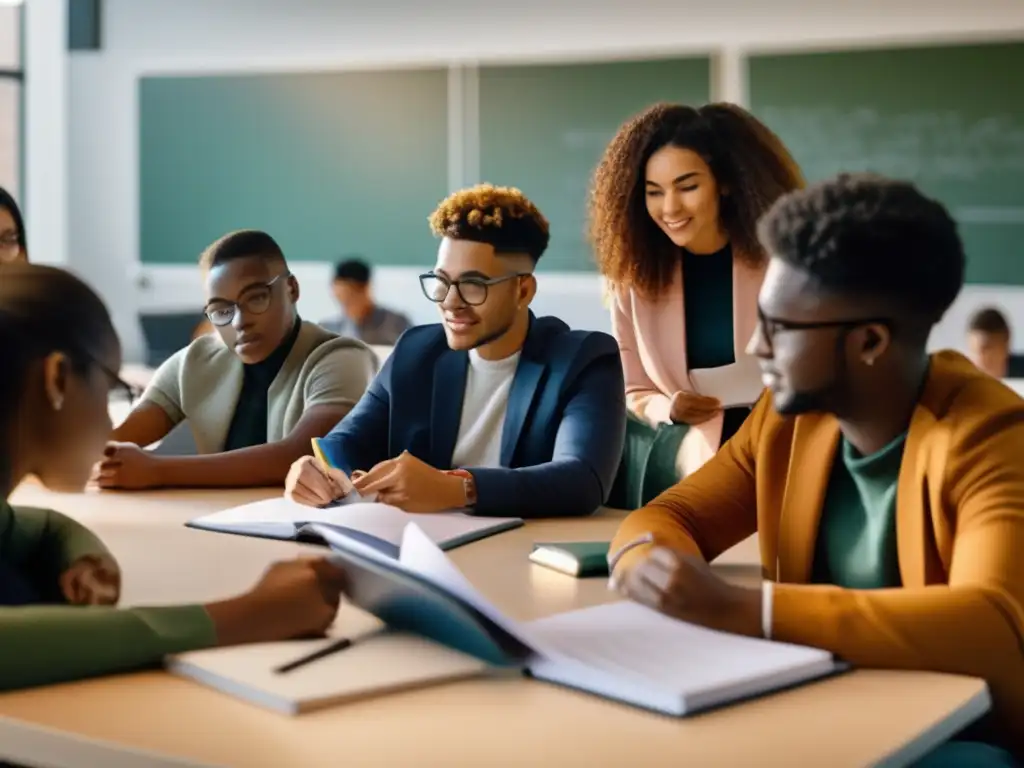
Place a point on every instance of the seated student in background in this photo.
(530, 414)
(362, 318)
(988, 344)
(673, 218)
(60, 352)
(12, 230)
(886, 485)
(254, 394)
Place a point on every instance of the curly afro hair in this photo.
(864, 235)
(502, 217)
(743, 154)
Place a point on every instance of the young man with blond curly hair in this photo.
(493, 408)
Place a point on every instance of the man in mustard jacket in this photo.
(886, 486)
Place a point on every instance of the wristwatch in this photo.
(468, 484)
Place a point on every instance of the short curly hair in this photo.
(865, 235)
(744, 156)
(501, 217)
(240, 245)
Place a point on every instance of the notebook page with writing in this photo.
(627, 651)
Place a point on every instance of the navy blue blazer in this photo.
(564, 428)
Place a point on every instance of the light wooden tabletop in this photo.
(151, 718)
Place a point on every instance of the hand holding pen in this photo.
(314, 482)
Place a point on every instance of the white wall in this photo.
(45, 187)
(203, 36)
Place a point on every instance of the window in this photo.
(10, 97)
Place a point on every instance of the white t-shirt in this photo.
(488, 383)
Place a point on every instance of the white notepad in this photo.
(382, 663)
(279, 518)
(628, 652)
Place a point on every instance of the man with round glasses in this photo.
(254, 393)
(493, 409)
(885, 483)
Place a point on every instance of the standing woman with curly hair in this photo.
(673, 213)
(12, 230)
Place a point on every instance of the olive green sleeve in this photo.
(50, 644)
(43, 543)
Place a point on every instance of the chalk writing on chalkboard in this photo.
(926, 146)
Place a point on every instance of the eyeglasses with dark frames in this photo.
(255, 301)
(472, 290)
(773, 325)
(129, 392)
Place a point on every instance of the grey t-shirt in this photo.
(382, 327)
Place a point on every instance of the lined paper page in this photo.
(638, 643)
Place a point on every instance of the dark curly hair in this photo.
(864, 235)
(499, 216)
(743, 154)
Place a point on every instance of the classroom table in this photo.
(151, 718)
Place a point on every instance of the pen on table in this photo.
(327, 650)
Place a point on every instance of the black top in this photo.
(249, 423)
(707, 307)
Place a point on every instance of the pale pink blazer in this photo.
(652, 342)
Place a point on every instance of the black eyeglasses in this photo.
(773, 325)
(472, 290)
(129, 392)
(256, 301)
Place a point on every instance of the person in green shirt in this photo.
(58, 582)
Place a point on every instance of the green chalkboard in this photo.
(328, 164)
(543, 129)
(950, 118)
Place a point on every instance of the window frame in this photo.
(17, 75)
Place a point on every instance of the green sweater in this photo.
(856, 546)
(52, 643)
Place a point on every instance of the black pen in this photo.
(327, 650)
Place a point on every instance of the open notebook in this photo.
(621, 651)
(377, 525)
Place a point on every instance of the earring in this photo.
(870, 361)
(58, 403)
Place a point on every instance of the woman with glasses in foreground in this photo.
(254, 393)
(60, 354)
